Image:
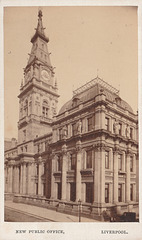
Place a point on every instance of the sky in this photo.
(83, 41)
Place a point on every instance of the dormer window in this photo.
(75, 102)
(118, 101)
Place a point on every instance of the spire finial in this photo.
(97, 72)
(40, 28)
(40, 14)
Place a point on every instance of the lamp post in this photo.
(79, 204)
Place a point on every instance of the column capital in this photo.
(64, 149)
(116, 149)
(100, 147)
(129, 152)
(78, 146)
(11, 163)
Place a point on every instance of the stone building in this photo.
(86, 153)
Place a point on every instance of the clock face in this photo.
(45, 75)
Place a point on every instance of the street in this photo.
(19, 212)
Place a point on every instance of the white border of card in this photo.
(80, 231)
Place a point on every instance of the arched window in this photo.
(45, 108)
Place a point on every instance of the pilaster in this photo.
(99, 174)
(53, 184)
(24, 178)
(64, 170)
(78, 168)
(128, 177)
(115, 176)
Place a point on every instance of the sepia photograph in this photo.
(71, 129)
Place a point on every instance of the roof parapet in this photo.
(94, 82)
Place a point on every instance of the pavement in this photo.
(44, 213)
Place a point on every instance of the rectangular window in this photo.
(120, 129)
(107, 124)
(90, 123)
(74, 131)
(73, 191)
(73, 161)
(131, 164)
(44, 111)
(38, 148)
(119, 162)
(24, 135)
(107, 193)
(26, 148)
(89, 192)
(44, 189)
(37, 169)
(119, 192)
(106, 159)
(131, 192)
(89, 159)
(59, 164)
(131, 133)
(59, 191)
(36, 188)
(60, 133)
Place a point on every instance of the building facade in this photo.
(87, 153)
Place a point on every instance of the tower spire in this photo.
(40, 29)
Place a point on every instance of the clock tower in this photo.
(38, 96)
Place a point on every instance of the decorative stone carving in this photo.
(64, 132)
(116, 127)
(79, 127)
(64, 149)
(78, 146)
(128, 131)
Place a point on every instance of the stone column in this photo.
(42, 173)
(24, 178)
(33, 185)
(110, 193)
(78, 168)
(68, 191)
(111, 159)
(10, 179)
(64, 172)
(40, 191)
(124, 162)
(134, 192)
(17, 179)
(21, 179)
(99, 175)
(102, 175)
(6, 176)
(134, 163)
(128, 177)
(29, 178)
(53, 184)
(83, 193)
(115, 177)
(14, 179)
